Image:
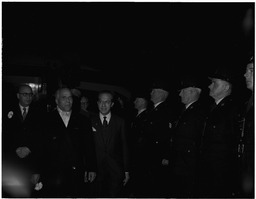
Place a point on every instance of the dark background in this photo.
(124, 44)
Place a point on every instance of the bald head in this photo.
(64, 99)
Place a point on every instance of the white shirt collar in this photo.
(218, 101)
(22, 107)
(188, 105)
(140, 111)
(155, 105)
(108, 116)
(64, 113)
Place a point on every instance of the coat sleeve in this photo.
(90, 153)
(125, 146)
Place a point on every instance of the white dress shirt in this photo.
(108, 116)
(65, 116)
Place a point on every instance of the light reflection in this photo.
(15, 181)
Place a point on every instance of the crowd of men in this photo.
(205, 149)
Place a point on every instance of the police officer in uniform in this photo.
(220, 138)
(187, 136)
(140, 158)
(159, 136)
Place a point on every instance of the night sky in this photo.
(127, 44)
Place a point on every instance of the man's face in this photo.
(105, 103)
(157, 95)
(217, 88)
(139, 103)
(187, 95)
(84, 103)
(249, 76)
(64, 100)
(25, 96)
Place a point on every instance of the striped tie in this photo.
(24, 114)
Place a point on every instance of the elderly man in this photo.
(70, 153)
(21, 135)
(220, 139)
(187, 136)
(158, 130)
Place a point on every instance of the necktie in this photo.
(105, 123)
(24, 114)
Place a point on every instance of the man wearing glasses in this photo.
(21, 142)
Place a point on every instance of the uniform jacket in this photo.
(111, 146)
(246, 149)
(159, 133)
(248, 135)
(221, 131)
(71, 146)
(219, 148)
(187, 137)
(138, 141)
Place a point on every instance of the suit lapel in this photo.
(59, 120)
(110, 127)
(71, 120)
(97, 124)
(19, 113)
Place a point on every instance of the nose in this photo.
(180, 93)
(210, 86)
(246, 75)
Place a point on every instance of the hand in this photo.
(126, 179)
(85, 177)
(165, 162)
(89, 176)
(35, 178)
(38, 186)
(23, 152)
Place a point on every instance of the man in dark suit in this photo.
(70, 151)
(111, 148)
(220, 139)
(21, 139)
(187, 137)
(158, 130)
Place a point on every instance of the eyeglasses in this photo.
(26, 94)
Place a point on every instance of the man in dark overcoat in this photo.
(158, 130)
(219, 162)
(21, 141)
(187, 137)
(140, 158)
(70, 158)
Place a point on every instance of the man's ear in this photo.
(112, 104)
(227, 86)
